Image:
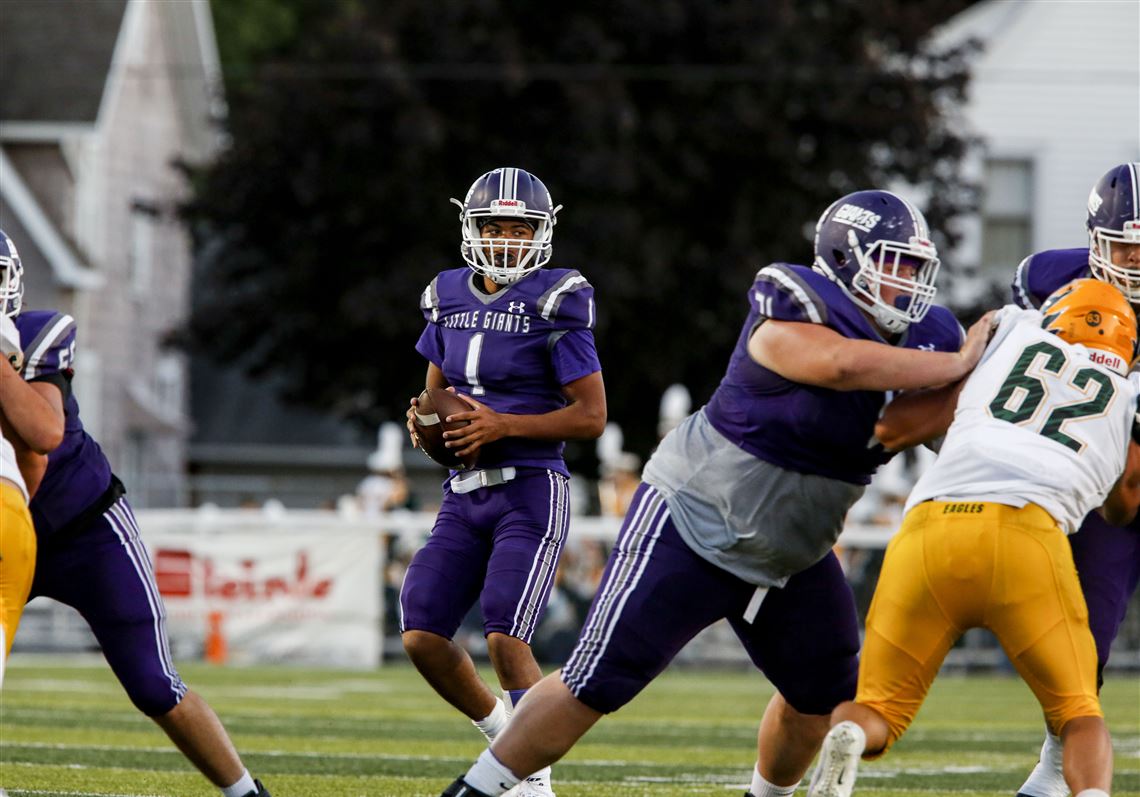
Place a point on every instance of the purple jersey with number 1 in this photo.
(512, 350)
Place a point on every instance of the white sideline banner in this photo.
(246, 588)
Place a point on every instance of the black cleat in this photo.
(261, 791)
(461, 789)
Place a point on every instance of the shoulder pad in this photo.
(568, 302)
(943, 329)
(1041, 273)
(49, 343)
(785, 293)
(429, 300)
(1019, 290)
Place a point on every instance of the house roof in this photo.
(67, 264)
(56, 57)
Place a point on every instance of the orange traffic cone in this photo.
(216, 649)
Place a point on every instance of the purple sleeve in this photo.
(941, 331)
(780, 293)
(52, 351)
(574, 356)
(430, 345)
(569, 302)
(954, 338)
(429, 301)
(1021, 288)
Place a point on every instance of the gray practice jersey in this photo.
(756, 520)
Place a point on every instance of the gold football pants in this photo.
(960, 565)
(17, 558)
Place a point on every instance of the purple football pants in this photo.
(105, 573)
(657, 594)
(499, 545)
(1108, 563)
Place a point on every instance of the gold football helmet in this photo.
(1094, 314)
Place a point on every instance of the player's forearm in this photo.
(866, 365)
(32, 467)
(576, 421)
(1123, 500)
(811, 354)
(918, 417)
(28, 415)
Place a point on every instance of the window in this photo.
(140, 262)
(1007, 212)
(168, 385)
(135, 471)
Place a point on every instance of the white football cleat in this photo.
(1047, 778)
(537, 785)
(838, 761)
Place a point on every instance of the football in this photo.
(432, 407)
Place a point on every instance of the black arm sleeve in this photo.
(60, 380)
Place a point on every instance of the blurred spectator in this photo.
(620, 472)
(386, 487)
(620, 477)
(882, 503)
(579, 573)
(676, 403)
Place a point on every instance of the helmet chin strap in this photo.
(889, 323)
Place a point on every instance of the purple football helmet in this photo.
(507, 193)
(1114, 218)
(11, 277)
(869, 240)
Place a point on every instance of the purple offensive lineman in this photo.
(517, 340)
(89, 553)
(1107, 557)
(741, 504)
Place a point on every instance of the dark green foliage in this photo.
(691, 142)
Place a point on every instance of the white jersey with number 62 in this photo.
(1038, 421)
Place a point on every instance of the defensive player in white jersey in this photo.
(1041, 433)
(20, 472)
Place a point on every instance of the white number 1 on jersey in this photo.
(471, 369)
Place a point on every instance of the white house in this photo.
(1055, 99)
(98, 99)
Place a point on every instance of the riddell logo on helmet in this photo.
(857, 217)
(512, 205)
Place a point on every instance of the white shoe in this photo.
(1047, 778)
(537, 785)
(838, 761)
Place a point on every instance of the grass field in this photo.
(67, 729)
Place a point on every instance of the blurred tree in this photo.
(692, 141)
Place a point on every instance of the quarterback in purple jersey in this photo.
(89, 554)
(1107, 556)
(517, 340)
(740, 505)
